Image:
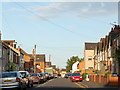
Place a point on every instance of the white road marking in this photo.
(80, 85)
(84, 85)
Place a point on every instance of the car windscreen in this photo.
(76, 74)
(69, 74)
(23, 74)
(10, 74)
(46, 73)
(41, 75)
(33, 74)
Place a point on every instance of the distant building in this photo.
(47, 64)
(40, 62)
(63, 72)
(74, 67)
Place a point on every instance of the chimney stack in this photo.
(112, 29)
(116, 26)
(33, 52)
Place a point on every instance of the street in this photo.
(58, 83)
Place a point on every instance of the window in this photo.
(90, 67)
(90, 58)
(76, 74)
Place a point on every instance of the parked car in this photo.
(76, 77)
(50, 76)
(36, 78)
(42, 77)
(69, 75)
(55, 75)
(66, 75)
(26, 76)
(12, 80)
(47, 75)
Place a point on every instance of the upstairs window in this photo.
(90, 67)
(90, 58)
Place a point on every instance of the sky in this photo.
(57, 28)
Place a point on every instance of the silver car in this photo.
(11, 80)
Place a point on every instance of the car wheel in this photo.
(20, 87)
(32, 84)
(29, 85)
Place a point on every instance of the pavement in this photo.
(91, 84)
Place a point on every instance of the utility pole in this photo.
(35, 59)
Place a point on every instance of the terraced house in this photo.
(10, 55)
(105, 58)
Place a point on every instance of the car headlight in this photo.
(80, 76)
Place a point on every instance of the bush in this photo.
(96, 71)
(106, 74)
(84, 75)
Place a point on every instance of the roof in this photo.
(8, 40)
(90, 46)
(9, 46)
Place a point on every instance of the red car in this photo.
(76, 77)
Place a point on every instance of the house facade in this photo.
(81, 67)
(104, 59)
(9, 55)
(89, 57)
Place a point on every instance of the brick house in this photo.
(81, 66)
(115, 39)
(40, 62)
(103, 55)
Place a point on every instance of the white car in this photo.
(12, 80)
(26, 76)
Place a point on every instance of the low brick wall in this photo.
(109, 80)
(114, 80)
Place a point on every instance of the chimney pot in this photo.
(115, 26)
(33, 52)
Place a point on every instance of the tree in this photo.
(11, 66)
(71, 61)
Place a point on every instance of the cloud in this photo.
(76, 9)
(16, 9)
